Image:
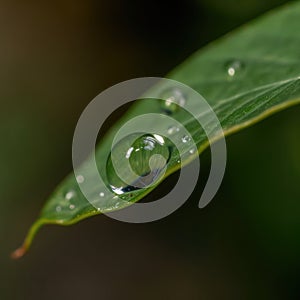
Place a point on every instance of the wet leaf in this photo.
(245, 76)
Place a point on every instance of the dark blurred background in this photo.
(55, 57)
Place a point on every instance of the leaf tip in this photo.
(20, 252)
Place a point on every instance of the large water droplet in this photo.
(172, 99)
(233, 67)
(136, 162)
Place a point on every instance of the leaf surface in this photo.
(245, 76)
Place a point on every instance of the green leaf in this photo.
(245, 76)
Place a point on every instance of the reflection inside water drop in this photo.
(136, 162)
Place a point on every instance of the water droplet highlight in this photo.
(185, 139)
(172, 99)
(146, 157)
(233, 67)
(69, 195)
(71, 206)
(80, 179)
(101, 194)
(172, 129)
(58, 208)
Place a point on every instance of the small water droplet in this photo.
(185, 139)
(80, 179)
(71, 206)
(58, 208)
(173, 129)
(69, 195)
(233, 67)
(147, 156)
(101, 194)
(117, 205)
(192, 151)
(172, 99)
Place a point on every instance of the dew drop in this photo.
(136, 162)
(101, 194)
(58, 208)
(172, 129)
(233, 67)
(71, 206)
(69, 195)
(185, 139)
(172, 99)
(80, 179)
(192, 151)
